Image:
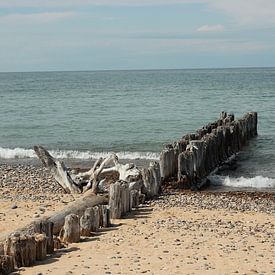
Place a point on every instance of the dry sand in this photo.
(185, 233)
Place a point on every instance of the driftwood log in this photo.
(81, 182)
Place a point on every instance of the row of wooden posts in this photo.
(193, 157)
(189, 160)
(24, 248)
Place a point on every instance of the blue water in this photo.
(85, 114)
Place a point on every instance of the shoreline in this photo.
(180, 232)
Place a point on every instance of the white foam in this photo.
(242, 182)
(17, 153)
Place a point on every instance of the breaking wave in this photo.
(242, 182)
(20, 153)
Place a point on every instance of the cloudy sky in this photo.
(42, 35)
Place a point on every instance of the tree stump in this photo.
(70, 232)
(6, 264)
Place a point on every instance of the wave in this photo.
(242, 182)
(20, 153)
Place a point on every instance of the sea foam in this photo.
(242, 182)
(20, 153)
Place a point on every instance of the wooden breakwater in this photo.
(192, 158)
(189, 160)
(41, 238)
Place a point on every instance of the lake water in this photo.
(84, 115)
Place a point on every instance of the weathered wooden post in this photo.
(22, 248)
(151, 179)
(6, 264)
(86, 224)
(70, 232)
(41, 246)
(115, 200)
(105, 210)
(134, 198)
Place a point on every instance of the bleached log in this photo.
(127, 172)
(70, 233)
(58, 170)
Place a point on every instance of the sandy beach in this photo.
(179, 233)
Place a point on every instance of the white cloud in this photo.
(258, 12)
(34, 18)
(59, 3)
(211, 28)
(243, 11)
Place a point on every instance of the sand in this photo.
(182, 233)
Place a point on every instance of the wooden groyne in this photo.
(42, 238)
(189, 160)
(192, 158)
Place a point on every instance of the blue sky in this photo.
(50, 35)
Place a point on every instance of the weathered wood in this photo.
(78, 207)
(105, 210)
(70, 233)
(218, 142)
(86, 224)
(57, 243)
(95, 218)
(115, 200)
(58, 170)
(151, 180)
(41, 246)
(134, 198)
(22, 248)
(6, 264)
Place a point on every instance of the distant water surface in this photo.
(87, 114)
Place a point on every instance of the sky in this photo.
(70, 35)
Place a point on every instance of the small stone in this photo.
(14, 206)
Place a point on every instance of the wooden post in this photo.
(115, 200)
(151, 179)
(86, 224)
(71, 229)
(41, 246)
(105, 216)
(134, 198)
(22, 248)
(6, 264)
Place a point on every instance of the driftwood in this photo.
(73, 183)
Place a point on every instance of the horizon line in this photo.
(122, 70)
